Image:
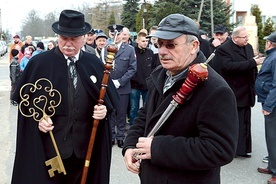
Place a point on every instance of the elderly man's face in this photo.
(125, 36)
(221, 36)
(91, 38)
(70, 46)
(175, 55)
(242, 39)
(101, 42)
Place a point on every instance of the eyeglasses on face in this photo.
(160, 44)
(243, 37)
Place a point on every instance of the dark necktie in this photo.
(73, 71)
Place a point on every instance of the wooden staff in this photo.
(112, 49)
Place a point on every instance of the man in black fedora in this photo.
(78, 81)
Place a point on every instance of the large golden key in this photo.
(56, 162)
(36, 99)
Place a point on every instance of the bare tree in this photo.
(50, 18)
(32, 25)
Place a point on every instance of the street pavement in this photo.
(239, 171)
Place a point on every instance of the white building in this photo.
(242, 8)
(242, 15)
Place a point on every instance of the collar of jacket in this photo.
(160, 73)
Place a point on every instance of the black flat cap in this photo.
(271, 37)
(175, 25)
(220, 29)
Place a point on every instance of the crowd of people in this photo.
(146, 74)
(19, 60)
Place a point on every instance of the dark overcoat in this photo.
(239, 69)
(196, 140)
(29, 166)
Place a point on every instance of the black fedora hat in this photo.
(71, 23)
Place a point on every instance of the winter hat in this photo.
(40, 45)
(14, 52)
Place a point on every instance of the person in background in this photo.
(220, 36)
(198, 138)
(101, 41)
(153, 40)
(28, 42)
(39, 49)
(124, 68)
(238, 67)
(14, 73)
(26, 58)
(144, 30)
(20, 55)
(204, 44)
(90, 38)
(16, 42)
(86, 47)
(126, 37)
(152, 45)
(265, 87)
(145, 65)
(203, 34)
(72, 122)
(51, 44)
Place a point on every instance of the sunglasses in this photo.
(167, 45)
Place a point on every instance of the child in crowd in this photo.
(27, 55)
(14, 73)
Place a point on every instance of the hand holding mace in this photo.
(196, 74)
(112, 49)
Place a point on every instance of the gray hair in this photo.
(238, 30)
(190, 38)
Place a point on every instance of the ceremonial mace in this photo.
(196, 74)
(112, 49)
(48, 100)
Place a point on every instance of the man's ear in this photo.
(195, 47)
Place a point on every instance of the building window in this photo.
(263, 19)
(274, 19)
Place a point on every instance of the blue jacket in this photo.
(23, 63)
(265, 84)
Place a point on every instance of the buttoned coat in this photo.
(239, 69)
(196, 140)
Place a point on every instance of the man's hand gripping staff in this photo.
(112, 49)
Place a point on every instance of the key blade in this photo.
(56, 165)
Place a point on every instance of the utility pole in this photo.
(200, 11)
(144, 14)
(212, 17)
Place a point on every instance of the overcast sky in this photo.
(15, 11)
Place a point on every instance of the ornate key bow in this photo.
(44, 99)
